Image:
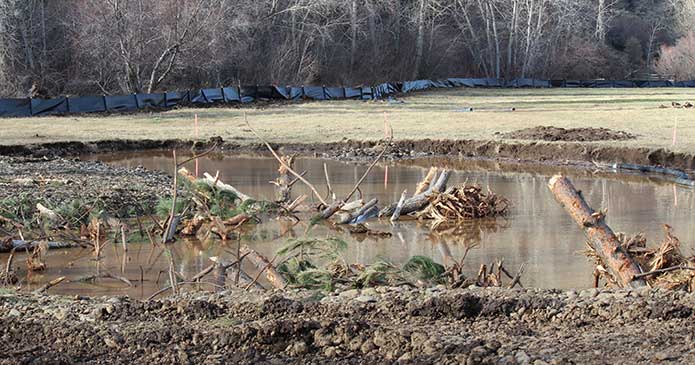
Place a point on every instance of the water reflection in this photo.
(537, 231)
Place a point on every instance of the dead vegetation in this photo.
(463, 202)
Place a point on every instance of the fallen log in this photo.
(347, 207)
(30, 245)
(368, 214)
(262, 263)
(214, 182)
(352, 216)
(419, 201)
(330, 210)
(619, 264)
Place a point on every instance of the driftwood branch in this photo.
(399, 207)
(105, 275)
(369, 169)
(425, 183)
(49, 285)
(160, 291)
(660, 271)
(517, 277)
(329, 188)
(262, 263)
(277, 157)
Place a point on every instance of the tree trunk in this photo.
(602, 240)
(497, 42)
(527, 50)
(600, 21)
(420, 40)
(510, 44)
(353, 36)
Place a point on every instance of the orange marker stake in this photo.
(195, 131)
(386, 177)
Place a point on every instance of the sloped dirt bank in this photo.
(555, 152)
(383, 325)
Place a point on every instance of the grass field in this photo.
(423, 115)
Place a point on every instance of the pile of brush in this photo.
(210, 206)
(464, 202)
(663, 266)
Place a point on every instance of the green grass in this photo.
(423, 115)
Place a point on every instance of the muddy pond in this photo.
(537, 232)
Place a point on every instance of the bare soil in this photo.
(382, 325)
(554, 134)
(56, 181)
(562, 152)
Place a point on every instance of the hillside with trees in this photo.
(82, 47)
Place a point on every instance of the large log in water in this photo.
(602, 240)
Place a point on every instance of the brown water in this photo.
(537, 231)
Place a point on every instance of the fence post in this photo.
(31, 107)
(67, 104)
(303, 95)
(361, 92)
(103, 98)
(323, 88)
(137, 105)
(166, 103)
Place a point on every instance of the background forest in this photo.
(78, 47)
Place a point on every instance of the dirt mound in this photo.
(553, 134)
(382, 325)
(61, 183)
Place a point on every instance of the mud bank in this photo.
(553, 152)
(394, 324)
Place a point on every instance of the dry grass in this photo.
(424, 115)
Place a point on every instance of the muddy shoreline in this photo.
(375, 325)
(544, 152)
(378, 325)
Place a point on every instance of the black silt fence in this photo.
(27, 107)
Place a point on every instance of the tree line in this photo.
(83, 47)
